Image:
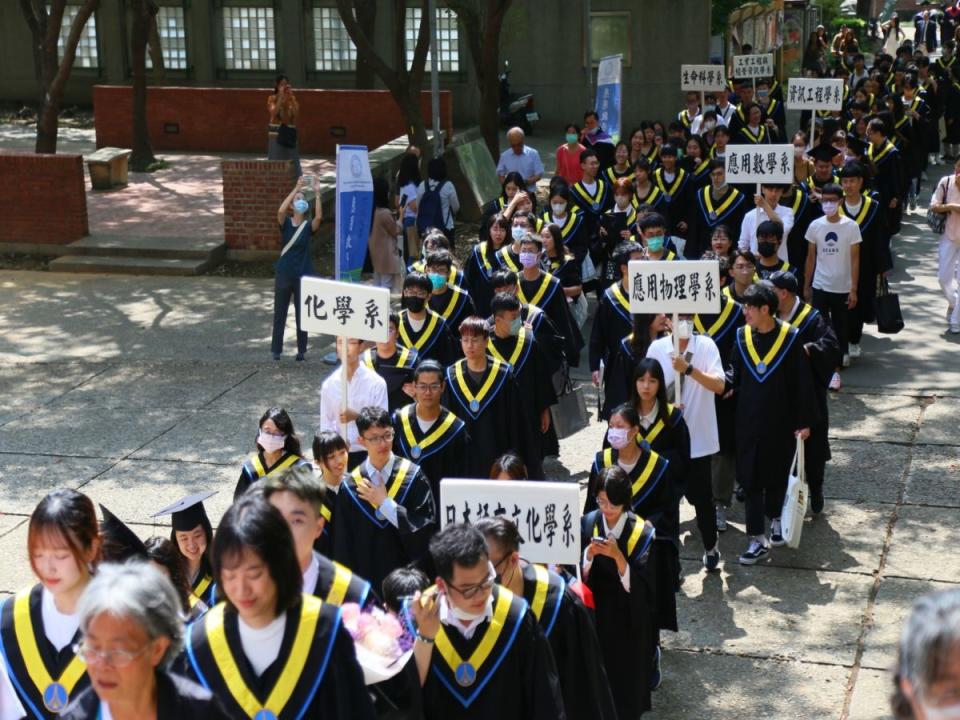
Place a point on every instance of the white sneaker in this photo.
(855, 351)
(955, 328)
(835, 383)
(846, 360)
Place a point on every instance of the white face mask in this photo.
(271, 443)
(709, 125)
(622, 201)
(948, 712)
(618, 437)
(684, 329)
(558, 208)
(829, 207)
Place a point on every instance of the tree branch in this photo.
(419, 64)
(365, 47)
(70, 46)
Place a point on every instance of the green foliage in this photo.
(829, 11)
(721, 9)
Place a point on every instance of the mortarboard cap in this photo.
(785, 280)
(120, 543)
(187, 512)
(824, 153)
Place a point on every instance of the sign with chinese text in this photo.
(752, 66)
(674, 286)
(770, 164)
(354, 210)
(815, 94)
(608, 95)
(344, 309)
(547, 514)
(703, 78)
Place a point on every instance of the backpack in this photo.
(430, 208)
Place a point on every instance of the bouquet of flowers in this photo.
(383, 644)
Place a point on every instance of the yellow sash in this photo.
(482, 254)
(282, 465)
(538, 296)
(718, 323)
(201, 589)
(699, 169)
(427, 333)
(655, 430)
(645, 474)
(516, 351)
(634, 538)
(724, 206)
(472, 665)
(801, 316)
(887, 147)
(650, 199)
(504, 254)
(762, 365)
(454, 296)
(428, 440)
(540, 594)
(621, 298)
(54, 698)
(394, 487)
(293, 669)
(758, 138)
(658, 176)
(341, 583)
(572, 214)
(401, 361)
(864, 209)
(492, 374)
(594, 199)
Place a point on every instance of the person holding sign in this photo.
(427, 433)
(385, 508)
(270, 650)
(768, 207)
(479, 649)
(295, 261)
(617, 544)
(771, 377)
(716, 204)
(567, 623)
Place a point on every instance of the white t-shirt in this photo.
(834, 241)
(699, 410)
(365, 388)
(408, 194)
(748, 230)
(262, 645)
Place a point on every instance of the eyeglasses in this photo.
(604, 504)
(474, 590)
(431, 387)
(744, 268)
(113, 658)
(387, 437)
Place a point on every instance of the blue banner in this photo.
(608, 95)
(354, 210)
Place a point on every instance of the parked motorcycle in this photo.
(515, 110)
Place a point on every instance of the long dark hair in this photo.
(515, 178)
(651, 366)
(165, 554)
(205, 563)
(381, 193)
(409, 171)
(640, 340)
(501, 220)
(559, 249)
(71, 516)
(285, 425)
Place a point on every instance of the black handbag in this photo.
(570, 414)
(938, 221)
(287, 136)
(889, 317)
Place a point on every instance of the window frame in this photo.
(90, 72)
(627, 15)
(314, 48)
(219, 36)
(459, 71)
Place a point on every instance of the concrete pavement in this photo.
(139, 390)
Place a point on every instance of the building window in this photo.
(173, 38)
(335, 51)
(448, 39)
(610, 35)
(248, 39)
(87, 46)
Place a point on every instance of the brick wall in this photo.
(252, 192)
(235, 119)
(42, 198)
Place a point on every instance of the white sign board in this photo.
(674, 286)
(547, 514)
(703, 78)
(815, 94)
(753, 66)
(769, 164)
(345, 309)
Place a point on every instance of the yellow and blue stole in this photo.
(646, 439)
(548, 286)
(336, 585)
(398, 485)
(714, 213)
(515, 358)
(728, 317)
(762, 367)
(543, 590)
(867, 214)
(803, 317)
(569, 226)
(644, 477)
(619, 301)
(406, 358)
(203, 588)
(635, 539)
(213, 648)
(43, 687)
(418, 445)
(424, 340)
(475, 404)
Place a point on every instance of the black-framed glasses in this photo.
(387, 437)
(428, 387)
(474, 590)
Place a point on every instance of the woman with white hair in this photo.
(130, 618)
(927, 676)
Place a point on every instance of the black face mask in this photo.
(767, 249)
(413, 304)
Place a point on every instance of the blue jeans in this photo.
(284, 287)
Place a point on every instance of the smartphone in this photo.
(598, 540)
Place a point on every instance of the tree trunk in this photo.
(367, 18)
(144, 12)
(410, 107)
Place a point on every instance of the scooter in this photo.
(515, 110)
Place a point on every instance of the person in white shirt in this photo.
(946, 201)
(702, 369)
(522, 159)
(768, 208)
(833, 268)
(364, 389)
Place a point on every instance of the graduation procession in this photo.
(530, 437)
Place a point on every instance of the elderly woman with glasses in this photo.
(130, 618)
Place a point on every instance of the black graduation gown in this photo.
(611, 324)
(889, 181)
(654, 198)
(616, 383)
(566, 271)
(592, 206)
(534, 383)
(255, 468)
(676, 197)
(950, 95)
(817, 336)
(517, 681)
(489, 210)
(875, 255)
(324, 543)
(399, 698)
(479, 268)
(745, 136)
(434, 341)
(177, 699)
(626, 625)
(699, 172)
(454, 306)
(706, 212)
(68, 672)
(454, 277)
(722, 329)
(329, 681)
(338, 585)
(570, 629)
(775, 111)
(613, 223)
(495, 421)
(366, 542)
(575, 237)
(441, 451)
(805, 211)
(546, 293)
(203, 588)
(396, 371)
(770, 405)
